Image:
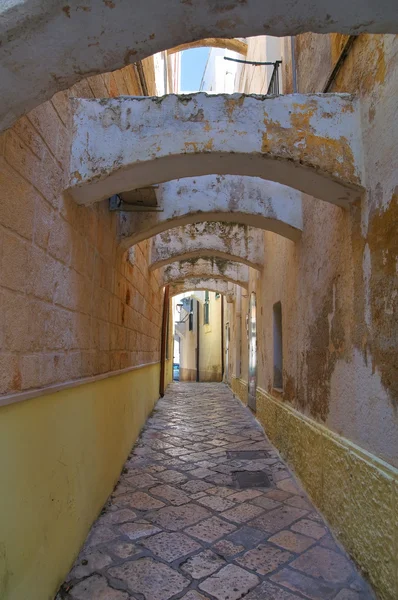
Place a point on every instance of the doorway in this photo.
(227, 339)
(252, 333)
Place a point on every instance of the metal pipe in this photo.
(249, 62)
(197, 341)
(343, 55)
(139, 69)
(294, 72)
(163, 340)
(222, 337)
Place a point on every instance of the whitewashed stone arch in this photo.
(195, 284)
(201, 268)
(233, 44)
(227, 198)
(76, 39)
(309, 142)
(228, 241)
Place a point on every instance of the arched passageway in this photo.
(197, 284)
(202, 268)
(102, 36)
(249, 201)
(92, 357)
(311, 143)
(228, 241)
(233, 44)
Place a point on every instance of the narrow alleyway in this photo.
(205, 509)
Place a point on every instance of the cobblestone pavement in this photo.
(181, 522)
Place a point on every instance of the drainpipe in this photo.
(163, 340)
(197, 341)
(339, 63)
(139, 70)
(238, 337)
(294, 72)
(222, 337)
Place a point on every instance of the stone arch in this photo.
(233, 44)
(104, 36)
(309, 142)
(228, 241)
(219, 286)
(212, 268)
(230, 199)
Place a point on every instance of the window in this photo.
(191, 315)
(278, 358)
(206, 314)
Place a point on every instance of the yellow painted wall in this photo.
(356, 491)
(210, 341)
(60, 457)
(169, 372)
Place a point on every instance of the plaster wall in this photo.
(337, 284)
(188, 340)
(210, 341)
(338, 290)
(219, 74)
(262, 48)
(60, 457)
(342, 349)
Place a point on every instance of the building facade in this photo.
(199, 318)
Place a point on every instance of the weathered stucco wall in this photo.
(343, 276)
(337, 284)
(338, 289)
(188, 340)
(60, 457)
(210, 341)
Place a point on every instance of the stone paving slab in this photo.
(177, 526)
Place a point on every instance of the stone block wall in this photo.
(72, 305)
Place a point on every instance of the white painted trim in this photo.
(60, 387)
